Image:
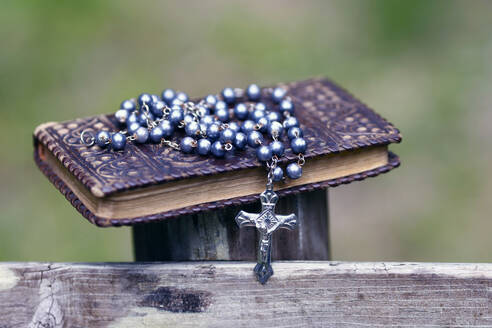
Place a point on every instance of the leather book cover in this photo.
(333, 121)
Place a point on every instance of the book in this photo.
(347, 141)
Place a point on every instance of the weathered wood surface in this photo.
(225, 294)
(216, 236)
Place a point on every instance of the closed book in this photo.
(347, 141)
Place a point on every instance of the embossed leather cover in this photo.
(333, 121)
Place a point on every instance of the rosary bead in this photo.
(227, 136)
(133, 127)
(181, 96)
(290, 122)
(156, 134)
(241, 111)
(260, 106)
(192, 129)
(132, 118)
(155, 98)
(298, 145)
(275, 128)
(234, 126)
(294, 132)
(207, 120)
(128, 105)
(218, 149)
(204, 146)
(210, 100)
(253, 92)
(277, 148)
(157, 108)
(142, 135)
(176, 102)
(168, 95)
(144, 98)
(202, 110)
(213, 131)
(255, 138)
(263, 153)
(274, 116)
(167, 128)
(188, 118)
(118, 141)
(102, 138)
(287, 106)
(222, 114)
(264, 124)
(121, 116)
(228, 95)
(220, 105)
(240, 140)
(186, 144)
(248, 126)
(294, 171)
(142, 118)
(176, 116)
(278, 94)
(257, 114)
(278, 174)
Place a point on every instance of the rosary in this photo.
(210, 129)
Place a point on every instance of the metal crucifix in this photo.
(266, 222)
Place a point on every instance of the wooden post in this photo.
(215, 235)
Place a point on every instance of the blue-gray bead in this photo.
(181, 96)
(234, 126)
(207, 120)
(192, 129)
(290, 122)
(202, 110)
(142, 135)
(241, 111)
(222, 114)
(275, 128)
(298, 145)
(227, 136)
(218, 149)
(176, 116)
(240, 140)
(263, 153)
(102, 138)
(253, 92)
(294, 171)
(121, 116)
(128, 105)
(257, 114)
(278, 94)
(168, 95)
(278, 174)
(213, 131)
(157, 108)
(204, 146)
(176, 102)
(167, 128)
(186, 144)
(228, 95)
(188, 118)
(144, 98)
(264, 124)
(255, 138)
(118, 141)
(260, 106)
(156, 134)
(277, 148)
(286, 106)
(294, 132)
(220, 105)
(132, 118)
(142, 118)
(248, 126)
(155, 98)
(132, 128)
(210, 100)
(274, 116)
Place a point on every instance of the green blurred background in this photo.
(424, 65)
